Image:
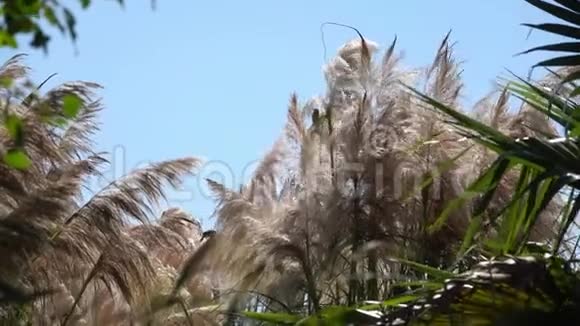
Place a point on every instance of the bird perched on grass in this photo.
(207, 234)
(315, 117)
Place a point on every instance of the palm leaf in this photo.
(557, 47)
(569, 12)
(571, 60)
(570, 4)
(557, 11)
(505, 289)
(273, 318)
(558, 29)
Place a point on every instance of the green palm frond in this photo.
(547, 167)
(567, 11)
(501, 291)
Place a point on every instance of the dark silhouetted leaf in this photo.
(559, 29)
(558, 47)
(570, 4)
(85, 3)
(13, 125)
(571, 60)
(52, 19)
(70, 23)
(572, 77)
(557, 11)
(40, 40)
(9, 294)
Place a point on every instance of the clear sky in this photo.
(212, 78)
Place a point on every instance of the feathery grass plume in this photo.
(54, 239)
(13, 68)
(365, 163)
(123, 266)
(169, 243)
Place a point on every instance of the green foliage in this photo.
(547, 167)
(330, 316)
(16, 156)
(17, 159)
(434, 273)
(506, 290)
(517, 290)
(502, 290)
(273, 318)
(18, 315)
(334, 315)
(28, 17)
(71, 105)
(14, 127)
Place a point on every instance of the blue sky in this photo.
(212, 78)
